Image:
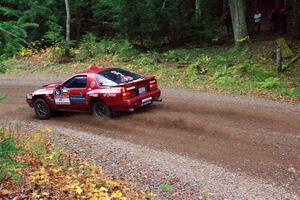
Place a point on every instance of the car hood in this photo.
(51, 86)
(48, 87)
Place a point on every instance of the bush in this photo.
(90, 47)
(145, 61)
(294, 92)
(26, 52)
(257, 74)
(271, 83)
(193, 70)
(176, 56)
(2, 68)
(60, 52)
(228, 82)
(87, 47)
(8, 165)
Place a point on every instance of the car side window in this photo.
(104, 81)
(76, 82)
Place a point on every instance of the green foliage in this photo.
(271, 83)
(228, 82)
(154, 22)
(176, 56)
(38, 149)
(2, 98)
(294, 92)
(90, 47)
(8, 165)
(166, 187)
(258, 74)
(145, 61)
(53, 36)
(57, 155)
(192, 71)
(146, 23)
(23, 22)
(2, 68)
(87, 47)
(286, 50)
(60, 52)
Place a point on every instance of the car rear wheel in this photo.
(42, 109)
(101, 109)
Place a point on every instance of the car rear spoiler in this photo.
(149, 78)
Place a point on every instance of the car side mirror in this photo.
(58, 87)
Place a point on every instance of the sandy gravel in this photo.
(190, 178)
(226, 147)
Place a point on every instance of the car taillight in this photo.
(128, 93)
(153, 85)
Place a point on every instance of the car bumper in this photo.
(30, 102)
(138, 101)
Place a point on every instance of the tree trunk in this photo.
(225, 6)
(277, 5)
(67, 20)
(279, 59)
(164, 4)
(296, 18)
(237, 8)
(198, 12)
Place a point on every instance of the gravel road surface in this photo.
(225, 147)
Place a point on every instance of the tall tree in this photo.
(296, 18)
(198, 12)
(225, 6)
(237, 8)
(67, 20)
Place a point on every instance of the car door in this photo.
(76, 88)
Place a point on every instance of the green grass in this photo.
(214, 69)
(211, 69)
(166, 187)
(2, 98)
(2, 68)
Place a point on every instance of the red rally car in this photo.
(102, 91)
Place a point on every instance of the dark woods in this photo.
(145, 23)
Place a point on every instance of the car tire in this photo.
(101, 109)
(42, 109)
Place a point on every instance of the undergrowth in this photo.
(50, 172)
(214, 69)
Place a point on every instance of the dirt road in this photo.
(256, 137)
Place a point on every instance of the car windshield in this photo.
(115, 77)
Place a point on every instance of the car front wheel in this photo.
(42, 109)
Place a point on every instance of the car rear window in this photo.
(116, 77)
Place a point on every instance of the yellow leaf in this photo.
(78, 190)
(117, 194)
(57, 169)
(111, 184)
(5, 192)
(37, 137)
(103, 189)
(48, 130)
(35, 195)
(45, 194)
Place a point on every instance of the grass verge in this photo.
(215, 69)
(39, 169)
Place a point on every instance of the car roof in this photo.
(94, 70)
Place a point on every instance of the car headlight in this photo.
(29, 96)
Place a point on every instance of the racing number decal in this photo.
(62, 97)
